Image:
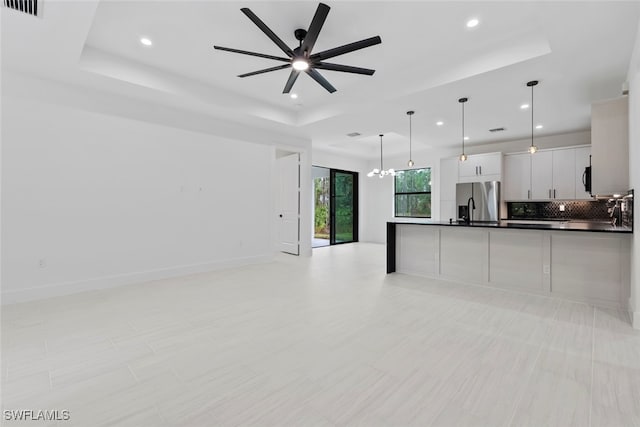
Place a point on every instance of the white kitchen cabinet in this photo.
(564, 174)
(582, 161)
(481, 167)
(448, 181)
(610, 146)
(517, 177)
(546, 175)
(542, 175)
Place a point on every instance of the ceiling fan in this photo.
(301, 58)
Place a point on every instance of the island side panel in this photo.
(417, 250)
(464, 254)
(590, 267)
(516, 260)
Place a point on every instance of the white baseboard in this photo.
(105, 282)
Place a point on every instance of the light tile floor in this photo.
(325, 341)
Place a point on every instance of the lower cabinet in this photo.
(591, 267)
(507, 249)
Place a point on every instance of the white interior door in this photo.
(289, 204)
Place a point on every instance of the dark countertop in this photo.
(592, 226)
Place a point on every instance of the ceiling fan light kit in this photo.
(301, 58)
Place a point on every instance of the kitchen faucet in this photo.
(471, 206)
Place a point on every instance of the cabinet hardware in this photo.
(476, 170)
(528, 194)
(554, 193)
(480, 168)
(549, 193)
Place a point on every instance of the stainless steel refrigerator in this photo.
(478, 201)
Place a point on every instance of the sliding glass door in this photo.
(343, 206)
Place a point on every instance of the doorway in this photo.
(335, 206)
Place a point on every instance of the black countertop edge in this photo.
(568, 226)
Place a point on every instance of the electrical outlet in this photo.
(42, 263)
(546, 269)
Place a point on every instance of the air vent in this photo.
(354, 134)
(29, 7)
(497, 130)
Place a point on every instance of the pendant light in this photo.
(463, 156)
(381, 172)
(532, 148)
(410, 162)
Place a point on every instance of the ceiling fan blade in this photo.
(266, 70)
(267, 31)
(318, 77)
(245, 52)
(314, 29)
(292, 79)
(346, 48)
(343, 68)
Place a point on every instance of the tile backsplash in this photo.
(574, 209)
(597, 210)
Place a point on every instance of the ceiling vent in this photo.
(354, 134)
(30, 7)
(497, 130)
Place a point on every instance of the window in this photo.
(413, 193)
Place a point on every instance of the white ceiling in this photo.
(427, 60)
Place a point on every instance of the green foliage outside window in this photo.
(413, 193)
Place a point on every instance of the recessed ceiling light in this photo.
(145, 41)
(439, 123)
(472, 23)
(294, 96)
(524, 106)
(466, 138)
(539, 127)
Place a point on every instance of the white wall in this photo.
(380, 191)
(633, 79)
(92, 200)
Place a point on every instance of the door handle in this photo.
(480, 168)
(280, 215)
(476, 170)
(549, 193)
(528, 194)
(554, 193)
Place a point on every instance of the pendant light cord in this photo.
(463, 157)
(381, 168)
(410, 136)
(531, 84)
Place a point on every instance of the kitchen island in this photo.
(582, 261)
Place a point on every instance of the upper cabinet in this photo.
(610, 146)
(517, 177)
(542, 175)
(563, 172)
(481, 167)
(546, 175)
